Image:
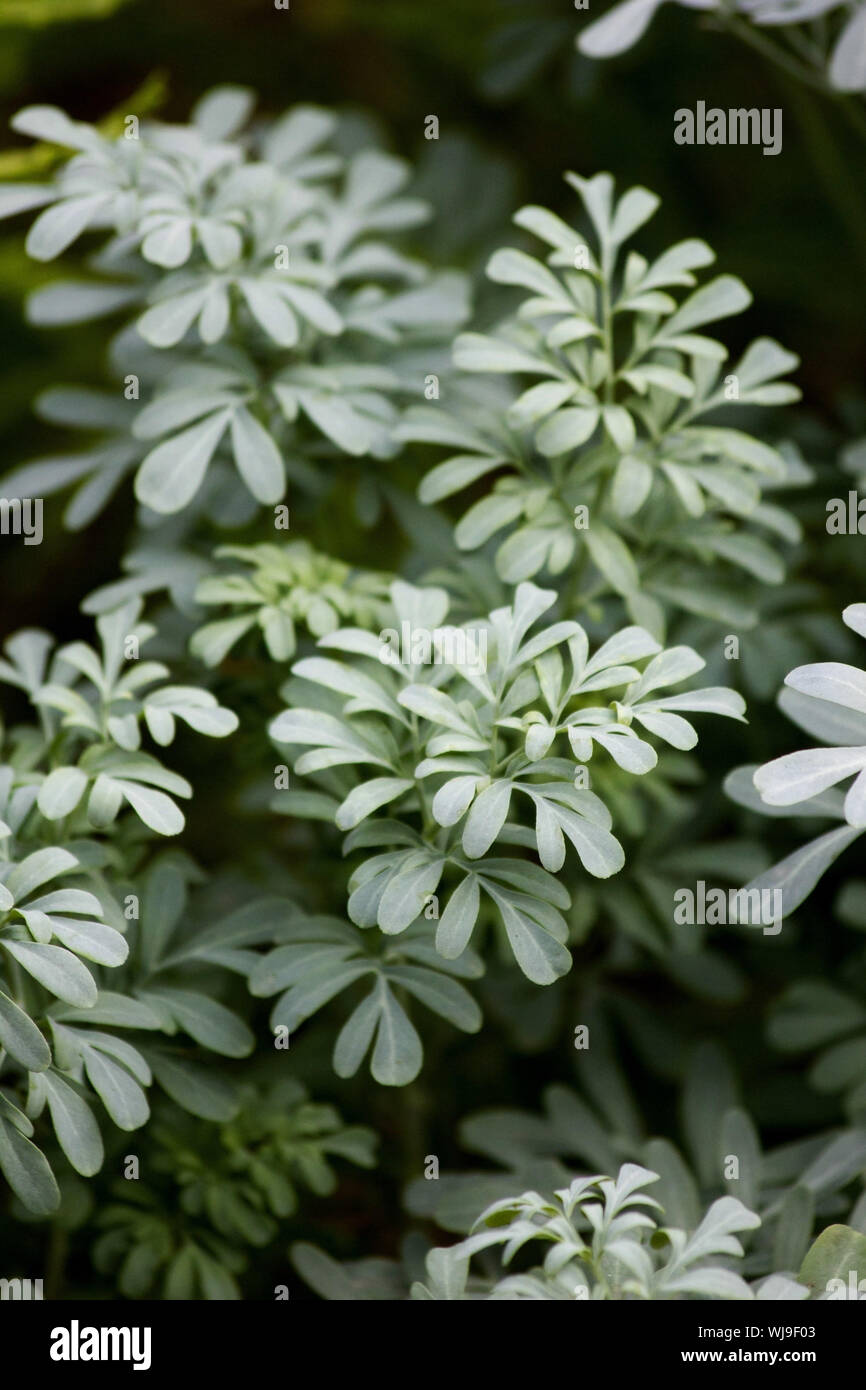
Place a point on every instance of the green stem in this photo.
(761, 44)
(429, 827)
(607, 334)
(852, 111)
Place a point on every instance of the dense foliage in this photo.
(476, 558)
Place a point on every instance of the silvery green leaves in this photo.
(192, 422)
(207, 412)
(52, 934)
(839, 54)
(319, 958)
(92, 190)
(45, 933)
(611, 726)
(391, 890)
(605, 454)
(168, 987)
(604, 1240)
(456, 731)
(93, 705)
(794, 1188)
(263, 297)
(799, 776)
(828, 700)
(279, 588)
(95, 473)
(847, 67)
(620, 27)
(175, 192)
(85, 988)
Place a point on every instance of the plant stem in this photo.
(853, 113)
